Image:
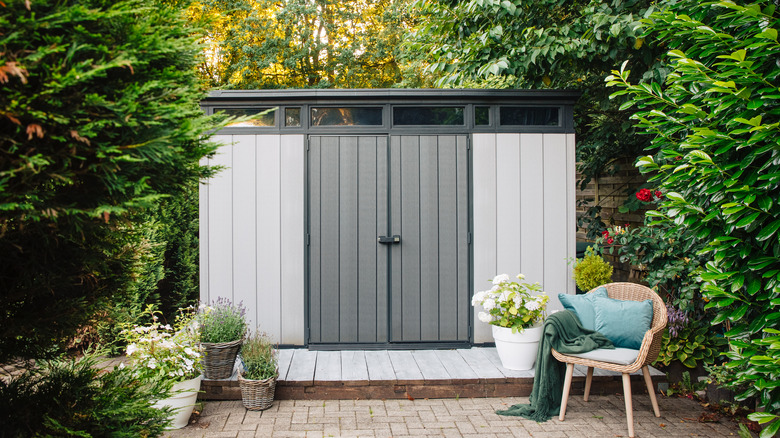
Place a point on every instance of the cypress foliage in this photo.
(99, 120)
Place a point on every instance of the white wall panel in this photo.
(292, 232)
(508, 173)
(252, 231)
(268, 270)
(532, 222)
(556, 220)
(244, 174)
(484, 242)
(220, 223)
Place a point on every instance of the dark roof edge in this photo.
(561, 96)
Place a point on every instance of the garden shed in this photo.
(368, 218)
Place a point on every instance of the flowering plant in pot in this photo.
(171, 355)
(516, 310)
(222, 328)
(260, 369)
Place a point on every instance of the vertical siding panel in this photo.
(463, 267)
(315, 249)
(292, 253)
(396, 253)
(269, 287)
(329, 281)
(448, 315)
(532, 223)
(220, 225)
(382, 229)
(366, 238)
(410, 235)
(348, 243)
(555, 217)
(245, 226)
(508, 204)
(571, 215)
(429, 237)
(484, 243)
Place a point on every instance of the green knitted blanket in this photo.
(563, 332)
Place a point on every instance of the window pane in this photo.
(529, 116)
(265, 119)
(413, 115)
(325, 116)
(292, 117)
(481, 115)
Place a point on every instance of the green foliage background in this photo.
(714, 129)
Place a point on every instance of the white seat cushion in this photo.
(620, 356)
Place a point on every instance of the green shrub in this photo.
(259, 357)
(67, 397)
(715, 133)
(222, 321)
(591, 271)
(99, 119)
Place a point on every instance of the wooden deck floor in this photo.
(387, 374)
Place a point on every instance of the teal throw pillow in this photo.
(582, 306)
(623, 322)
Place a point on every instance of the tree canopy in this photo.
(302, 43)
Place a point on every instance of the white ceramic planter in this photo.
(185, 394)
(517, 350)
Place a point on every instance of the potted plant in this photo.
(516, 311)
(171, 355)
(258, 379)
(222, 329)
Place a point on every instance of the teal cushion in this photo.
(582, 306)
(623, 322)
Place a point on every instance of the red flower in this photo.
(627, 225)
(610, 240)
(658, 194)
(678, 158)
(644, 195)
(605, 233)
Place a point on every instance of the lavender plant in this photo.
(222, 321)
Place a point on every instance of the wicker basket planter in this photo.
(257, 395)
(220, 358)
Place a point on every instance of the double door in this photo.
(388, 239)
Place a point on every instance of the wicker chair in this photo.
(648, 351)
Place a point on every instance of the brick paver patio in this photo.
(602, 416)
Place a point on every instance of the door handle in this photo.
(389, 240)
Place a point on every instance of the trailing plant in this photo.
(74, 397)
(259, 357)
(715, 125)
(222, 321)
(591, 271)
(162, 352)
(512, 304)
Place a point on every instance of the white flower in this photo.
(478, 297)
(484, 317)
(504, 296)
(501, 278)
(131, 348)
(152, 364)
(520, 277)
(533, 305)
(489, 304)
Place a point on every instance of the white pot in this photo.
(185, 394)
(517, 350)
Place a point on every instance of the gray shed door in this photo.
(363, 189)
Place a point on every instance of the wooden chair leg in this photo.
(588, 381)
(629, 407)
(650, 390)
(566, 388)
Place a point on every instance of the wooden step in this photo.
(390, 374)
